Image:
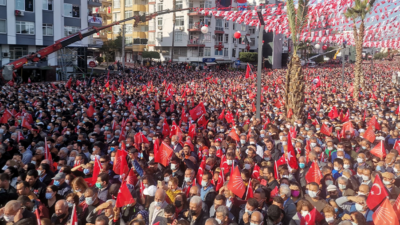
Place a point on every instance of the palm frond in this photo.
(302, 12)
(291, 11)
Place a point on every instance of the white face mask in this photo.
(229, 162)
(329, 219)
(304, 213)
(9, 218)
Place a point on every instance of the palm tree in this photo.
(294, 98)
(357, 14)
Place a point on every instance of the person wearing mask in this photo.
(388, 180)
(288, 206)
(313, 197)
(207, 191)
(109, 210)
(26, 155)
(63, 188)
(43, 171)
(268, 175)
(366, 177)
(92, 202)
(51, 198)
(222, 215)
(331, 217)
(343, 187)
(5, 184)
(338, 168)
(245, 213)
(176, 171)
(195, 215)
(157, 207)
(220, 200)
(168, 218)
(37, 187)
(275, 215)
(175, 145)
(14, 212)
(62, 213)
(352, 204)
(103, 185)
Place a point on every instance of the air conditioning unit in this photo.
(160, 27)
(19, 13)
(180, 28)
(5, 55)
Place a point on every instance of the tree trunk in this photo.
(359, 55)
(295, 85)
(357, 66)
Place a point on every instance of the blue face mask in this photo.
(302, 165)
(112, 149)
(56, 182)
(86, 171)
(48, 127)
(49, 195)
(108, 136)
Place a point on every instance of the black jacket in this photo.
(200, 220)
(40, 190)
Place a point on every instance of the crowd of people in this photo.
(165, 145)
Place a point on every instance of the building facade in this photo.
(218, 46)
(135, 37)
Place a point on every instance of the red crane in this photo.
(8, 70)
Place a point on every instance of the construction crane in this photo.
(8, 70)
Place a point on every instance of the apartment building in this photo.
(218, 46)
(135, 37)
(28, 25)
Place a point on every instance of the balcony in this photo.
(196, 43)
(219, 30)
(95, 20)
(138, 48)
(194, 13)
(94, 3)
(195, 27)
(104, 11)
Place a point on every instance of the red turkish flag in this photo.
(164, 154)
(291, 154)
(333, 113)
(19, 137)
(348, 126)
(112, 100)
(173, 129)
(139, 138)
(118, 164)
(249, 193)
(200, 172)
(369, 134)
(184, 117)
(290, 113)
(68, 85)
(248, 70)
(385, 214)
(396, 206)
(47, 154)
(221, 116)
(236, 184)
(192, 130)
(198, 111)
(379, 150)
(202, 122)
(253, 107)
(326, 130)
(165, 128)
(74, 217)
(234, 135)
(377, 193)
(396, 146)
(157, 106)
(314, 174)
(107, 84)
(256, 172)
(124, 196)
(26, 124)
(71, 98)
(131, 178)
(96, 170)
(90, 111)
(312, 218)
(346, 117)
(280, 161)
(6, 116)
(374, 122)
(266, 123)
(221, 181)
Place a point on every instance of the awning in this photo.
(224, 62)
(211, 63)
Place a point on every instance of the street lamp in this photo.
(259, 67)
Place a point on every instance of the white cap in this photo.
(150, 191)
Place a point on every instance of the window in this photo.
(17, 52)
(159, 21)
(128, 3)
(116, 29)
(218, 24)
(178, 36)
(252, 30)
(128, 14)
(47, 4)
(226, 24)
(243, 27)
(234, 26)
(201, 51)
(218, 52)
(179, 21)
(233, 52)
(159, 36)
(225, 52)
(226, 38)
(207, 51)
(3, 26)
(253, 42)
(159, 7)
(144, 28)
(129, 28)
(117, 4)
(128, 41)
(206, 37)
(136, 41)
(71, 10)
(47, 29)
(143, 41)
(25, 27)
(24, 5)
(136, 13)
(207, 4)
(70, 30)
(179, 4)
(3, 2)
(218, 38)
(116, 16)
(202, 4)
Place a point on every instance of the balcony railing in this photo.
(196, 42)
(219, 28)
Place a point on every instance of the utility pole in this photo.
(173, 31)
(259, 67)
(123, 47)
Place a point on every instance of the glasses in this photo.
(102, 161)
